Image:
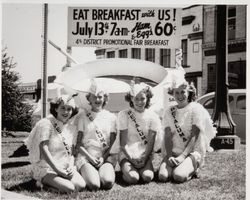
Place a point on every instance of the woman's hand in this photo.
(94, 161)
(175, 161)
(65, 173)
(101, 161)
(97, 162)
(180, 159)
(138, 162)
(70, 171)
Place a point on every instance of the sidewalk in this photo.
(7, 195)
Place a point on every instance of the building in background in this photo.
(198, 47)
(236, 19)
(28, 90)
(192, 37)
(32, 91)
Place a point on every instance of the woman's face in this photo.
(96, 101)
(181, 96)
(139, 101)
(64, 112)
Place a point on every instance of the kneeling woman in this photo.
(138, 127)
(96, 135)
(188, 132)
(50, 146)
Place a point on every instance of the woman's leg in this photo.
(165, 171)
(60, 183)
(184, 171)
(91, 176)
(107, 175)
(147, 172)
(129, 173)
(78, 181)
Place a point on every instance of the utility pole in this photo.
(226, 128)
(44, 60)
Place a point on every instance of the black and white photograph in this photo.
(124, 100)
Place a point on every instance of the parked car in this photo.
(237, 104)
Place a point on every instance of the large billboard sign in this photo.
(128, 27)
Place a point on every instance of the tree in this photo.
(16, 115)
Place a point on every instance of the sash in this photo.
(59, 131)
(177, 126)
(137, 127)
(98, 132)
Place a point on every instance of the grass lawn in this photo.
(223, 177)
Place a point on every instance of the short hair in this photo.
(191, 92)
(149, 95)
(105, 95)
(55, 105)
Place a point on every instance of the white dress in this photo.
(106, 123)
(44, 130)
(192, 114)
(148, 120)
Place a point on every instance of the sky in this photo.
(21, 34)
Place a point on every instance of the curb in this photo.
(7, 195)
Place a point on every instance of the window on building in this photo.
(123, 53)
(110, 54)
(237, 74)
(184, 53)
(241, 102)
(150, 54)
(211, 77)
(136, 53)
(165, 57)
(187, 20)
(231, 22)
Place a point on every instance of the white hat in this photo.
(96, 88)
(66, 99)
(179, 83)
(136, 88)
(184, 84)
